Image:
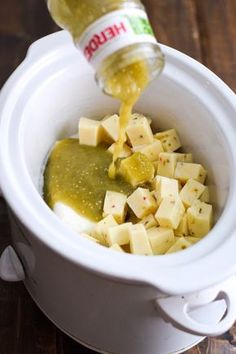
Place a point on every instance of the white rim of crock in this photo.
(179, 273)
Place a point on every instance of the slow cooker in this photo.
(109, 301)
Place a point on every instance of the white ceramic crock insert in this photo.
(41, 103)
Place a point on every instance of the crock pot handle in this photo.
(177, 309)
(11, 268)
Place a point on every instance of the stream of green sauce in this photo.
(77, 175)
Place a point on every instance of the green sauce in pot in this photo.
(77, 175)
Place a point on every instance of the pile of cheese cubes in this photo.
(169, 209)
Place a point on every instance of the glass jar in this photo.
(114, 35)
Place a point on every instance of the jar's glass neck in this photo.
(149, 55)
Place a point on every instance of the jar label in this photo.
(114, 31)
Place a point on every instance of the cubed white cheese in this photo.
(139, 243)
(125, 152)
(170, 212)
(111, 126)
(118, 234)
(139, 131)
(205, 197)
(101, 228)
(116, 247)
(180, 245)
(142, 202)
(148, 221)
(152, 150)
(161, 239)
(90, 132)
(115, 204)
(169, 139)
(165, 187)
(166, 164)
(191, 191)
(185, 171)
(182, 229)
(199, 218)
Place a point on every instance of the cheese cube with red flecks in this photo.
(185, 171)
(142, 202)
(191, 191)
(169, 139)
(100, 230)
(161, 239)
(115, 205)
(139, 131)
(166, 164)
(139, 242)
(199, 218)
(170, 212)
(165, 187)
